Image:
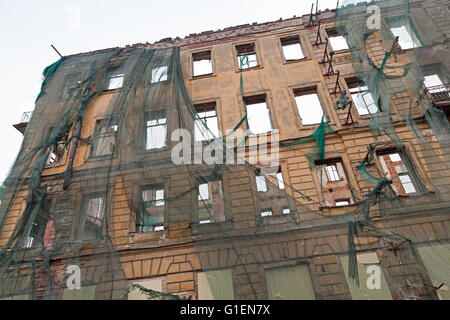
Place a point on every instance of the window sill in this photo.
(92, 158)
(203, 76)
(296, 61)
(154, 150)
(151, 84)
(342, 51)
(249, 69)
(106, 91)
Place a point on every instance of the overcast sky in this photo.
(27, 28)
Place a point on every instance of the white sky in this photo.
(27, 28)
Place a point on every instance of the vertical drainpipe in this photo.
(73, 150)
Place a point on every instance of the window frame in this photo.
(255, 50)
(300, 42)
(247, 100)
(296, 92)
(207, 107)
(100, 123)
(155, 187)
(206, 179)
(82, 220)
(200, 52)
(148, 118)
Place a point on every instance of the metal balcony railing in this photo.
(439, 94)
(26, 117)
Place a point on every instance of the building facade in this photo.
(356, 207)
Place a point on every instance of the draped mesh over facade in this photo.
(90, 183)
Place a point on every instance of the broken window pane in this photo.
(292, 49)
(363, 100)
(203, 192)
(156, 130)
(309, 108)
(105, 139)
(57, 152)
(211, 206)
(206, 128)
(394, 167)
(94, 212)
(332, 172)
(280, 180)
(407, 184)
(405, 40)
(333, 182)
(151, 217)
(115, 82)
(258, 115)
(159, 74)
(261, 184)
(202, 63)
(246, 56)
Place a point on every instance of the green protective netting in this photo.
(96, 172)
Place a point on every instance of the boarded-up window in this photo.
(211, 207)
(372, 283)
(152, 284)
(85, 293)
(290, 283)
(215, 285)
(437, 261)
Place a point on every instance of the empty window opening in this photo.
(342, 203)
(71, 85)
(292, 49)
(258, 115)
(362, 98)
(266, 213)
(207, 127)
(332, 172)
(105, 138)
(202, 63)
(434, 84)
(337, 41)
(309, 106)
(156, 130)
(335, 188)
(159, 74)
(94, 211)
(211, 206)
(37, 231)
(57, 151)
(151, 209)
(395, 166)
(275, 179)
(115, 82)
(246, 56)
(286, 211)
(261, 184)
(406, 39)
